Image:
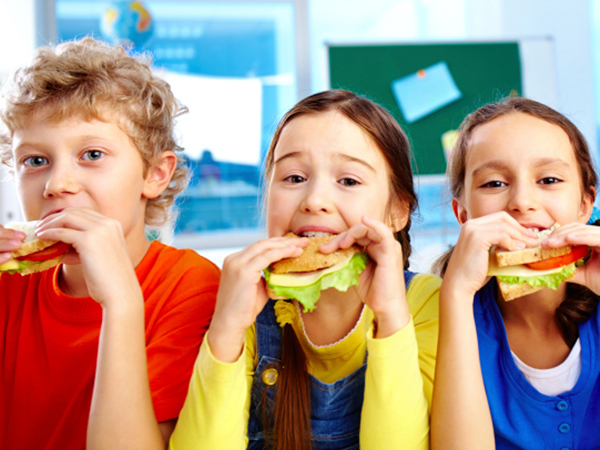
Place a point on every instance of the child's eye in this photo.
(349, 182)
(295, 179)
(494, 184)
(93, 155)
(35, 161)
(549, 180)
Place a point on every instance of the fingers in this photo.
(60, 226)
(498, 229)
(574, 234)
(97, 240)
(367, 232)
(10, 240)
(262, 254)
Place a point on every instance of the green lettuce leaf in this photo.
(552, 280)
(307, 296)
(22, 266)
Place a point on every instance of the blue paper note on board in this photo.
(425, 91)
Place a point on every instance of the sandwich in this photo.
(34, 255)
(304, 277)
(523, 272)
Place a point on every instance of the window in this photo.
(235, 65)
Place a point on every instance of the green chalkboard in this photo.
(483, 72)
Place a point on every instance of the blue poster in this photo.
(425, 91)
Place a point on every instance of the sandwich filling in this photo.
(34, 255)
(521, 274)
(306, 287)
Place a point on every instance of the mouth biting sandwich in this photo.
(34, 255)
(304, 277)
(523, 272)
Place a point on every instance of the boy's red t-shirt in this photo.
(49, 345)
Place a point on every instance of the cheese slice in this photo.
(520, 270)
(12, 264)
(304, 278)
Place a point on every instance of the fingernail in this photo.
(20, 235)
(519, 245)
(15, 242)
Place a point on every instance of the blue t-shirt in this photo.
(523, 417)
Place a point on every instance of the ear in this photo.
(460, 212)
(159, 175)
(398, 215)
(587, 205)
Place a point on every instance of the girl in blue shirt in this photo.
(524, 373)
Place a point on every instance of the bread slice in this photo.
(512, 291)
(533, 254)
(529, 255)
(311, 258)
(31, 244)
(43, 266)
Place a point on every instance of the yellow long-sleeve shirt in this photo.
(398, 383)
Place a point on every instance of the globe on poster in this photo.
(127, 23)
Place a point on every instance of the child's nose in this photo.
(522, 199)
(317, 199)
(59, 183)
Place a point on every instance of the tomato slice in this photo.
(48, 253)
(577, 252)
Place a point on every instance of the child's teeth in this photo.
(315, 234)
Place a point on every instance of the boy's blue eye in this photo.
(93, 155)
(35, 161)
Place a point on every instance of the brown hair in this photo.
(580, 302)
(292, 412)
(90, 78)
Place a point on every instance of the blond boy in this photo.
(98, 350)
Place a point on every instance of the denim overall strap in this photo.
(335, 407)
(264, 384)
(408, 276)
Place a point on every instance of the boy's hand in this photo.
(100, 249)
(10, 240)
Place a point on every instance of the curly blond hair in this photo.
(86, 78)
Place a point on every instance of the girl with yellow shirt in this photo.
(358, 370)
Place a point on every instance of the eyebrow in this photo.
(35, 144)
(341, 156)
(29, 145)
(500, 165)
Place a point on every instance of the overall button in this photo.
(565, 448)
(564, 428)
(270, 376)
(562, 405)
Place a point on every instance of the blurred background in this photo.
(240, 65)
